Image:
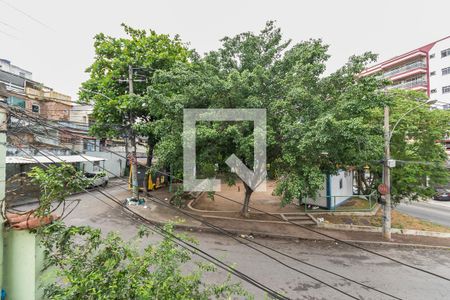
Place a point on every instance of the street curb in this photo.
(191, 202)
(204, 213)
(379, 229)
(192, 228)
(310, 213)
(236, 219)
(348, 213)
(397, 244)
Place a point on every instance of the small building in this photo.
(336, 190)
(19, 187)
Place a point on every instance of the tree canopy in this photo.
(107, 87)
(317, 123)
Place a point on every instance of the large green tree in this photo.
(117, 114)
(315, 123)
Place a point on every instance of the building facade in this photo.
(6, 66)
(426, 69)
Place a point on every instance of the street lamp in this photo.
(409, 111)
(96, 93)
(387, 164)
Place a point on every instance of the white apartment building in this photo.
(426, 68)
(6, 66)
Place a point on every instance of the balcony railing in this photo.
(415, 65)
(409, 84)
(51, 95)
(74, 125)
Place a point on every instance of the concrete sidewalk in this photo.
(161, 214)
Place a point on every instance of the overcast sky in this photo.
(53, 38)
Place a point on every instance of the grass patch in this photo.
(399, 220)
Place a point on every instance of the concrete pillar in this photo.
(3, 127)
(23, 263)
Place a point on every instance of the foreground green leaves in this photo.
(56, 183)
(84, 264)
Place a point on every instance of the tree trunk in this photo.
(360, 180)
(148, 164)
(134, 168)
(248, 193)
(127, 155)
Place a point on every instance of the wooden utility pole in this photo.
(387, 177)
(133, 156)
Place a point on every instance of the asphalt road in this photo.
(434, 211)
(378, 272)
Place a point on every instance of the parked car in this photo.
(442, 195)
(99, 179)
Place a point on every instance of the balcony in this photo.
(405, 68)
(413, 84)
(47, 95)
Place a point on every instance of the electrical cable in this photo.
(312, 230)
(184, 244)
(26, 14)
(223, 231)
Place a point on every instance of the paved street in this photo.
(375, 271)
(434, 211)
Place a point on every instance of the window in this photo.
(433, 91)
(35, 108)
(431, 56)
(16, 101)
(445, 71)
(341, 184)
(446, 89)
(433, 73)
(445, 53)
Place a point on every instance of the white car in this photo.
(100, 178)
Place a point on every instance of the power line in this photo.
(223, 231)
(26, 14)
(7, 34)
(8, 25)
(180, 242)
(312, 230)
(229, 234)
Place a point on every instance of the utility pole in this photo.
(133, 159)
(387, 164)
(387, 177)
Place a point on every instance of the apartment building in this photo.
(31, 95)
(6, 66)
(426, 69)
